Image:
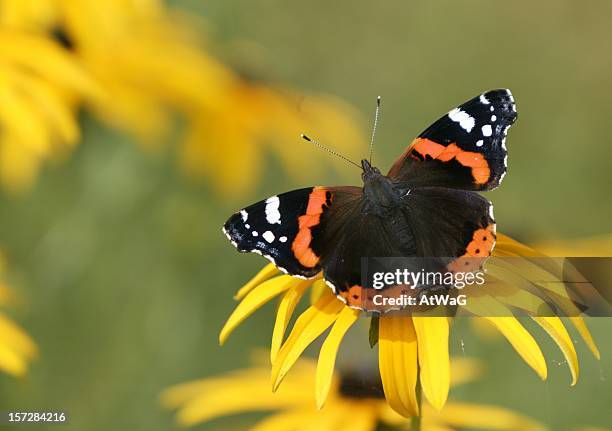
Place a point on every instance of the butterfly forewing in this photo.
(464, 149)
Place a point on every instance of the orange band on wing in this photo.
(301, 244)
(475, 161)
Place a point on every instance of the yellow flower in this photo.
(410, 349)
(38, 82)
(17, 349)
(355, 402)
(150, 64)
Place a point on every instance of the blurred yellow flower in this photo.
(150, 65)
(17, 349)
(38, 81)
(413, 351)
(356, 402)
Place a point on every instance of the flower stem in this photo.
(415, 423)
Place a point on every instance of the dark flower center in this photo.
(354, 384)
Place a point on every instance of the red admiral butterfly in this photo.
(426, 206)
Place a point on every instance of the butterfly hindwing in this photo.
(465, 229)
(464, 149)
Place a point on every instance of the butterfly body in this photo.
(381, 196)
(427, 205)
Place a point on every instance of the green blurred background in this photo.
(128, 278)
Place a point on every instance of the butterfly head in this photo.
(379, 192)
(369, 171)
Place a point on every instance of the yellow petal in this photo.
(463, 415)
(210, 405)
(318, 288)
(22, 120)
(362, 416)
(16, 338)
(432, 338)
(554, 327)
(522, 341)
(50, 101)
(506, 246)
(311, 323)
(11, 362)
(255, 299)
(582, 328)
(46, 58)
(267, 272)
(286, 306)
(397, 362)
(329, 349)
(288, 420)
(464, 370)
(205, 399)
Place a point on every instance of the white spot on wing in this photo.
(491, 109)
(272, 213)
(248, 226)
(283, 239)
(479, 143)
(486, 130)
(465, 120)
(244, 215)
(493, 118)
(268, 236)
(255, 233)
(484, 100)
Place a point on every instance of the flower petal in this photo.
(582, 328)
(213, 397)
(17, 339)
(432, 339)
(554, 327)
(285, 310)
(288, 420)
(255, 299)
(318, 288)
(267, 272)
(462, 415)
(397, 362)
(329, 349)
(522, 341)
(311, 323)
(362, 416)
(464, 370)
(506, 246)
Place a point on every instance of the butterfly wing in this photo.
(418, 228)
(285, 228)
(465, 149)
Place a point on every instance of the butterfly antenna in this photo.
(329, 150)
(376, 115)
